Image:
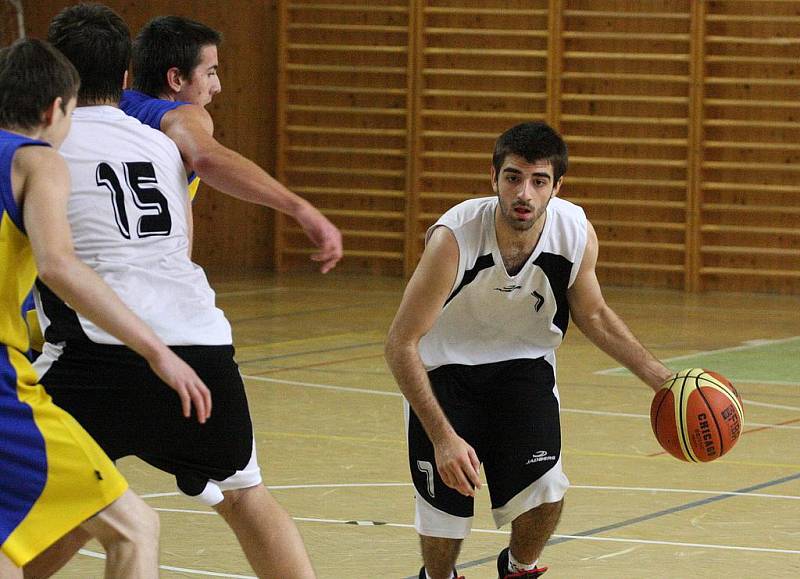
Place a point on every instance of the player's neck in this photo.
(516, 246)
(509, 237)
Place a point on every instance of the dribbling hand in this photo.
(458, 465)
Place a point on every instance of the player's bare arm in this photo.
(604, 327)
(45, 216)
(422, 302)
(191, 128)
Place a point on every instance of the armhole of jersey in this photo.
(12, 207)
(459, 245)
(583, 234)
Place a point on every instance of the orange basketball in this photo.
(697, 415)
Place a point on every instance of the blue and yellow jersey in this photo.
(16, 258)
(54, 476)
(150, 110)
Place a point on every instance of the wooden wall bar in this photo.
(750, 181)
(682, 119)
(344, 86)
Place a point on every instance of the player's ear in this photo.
(49, 114)
(494, 179)
(557, 188)
(174, 79)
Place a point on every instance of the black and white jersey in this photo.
(491, 316)
(128, 211)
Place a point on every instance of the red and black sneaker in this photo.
(455, 574)
(504, 573)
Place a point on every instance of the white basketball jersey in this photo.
(491, 316)
(128, 213)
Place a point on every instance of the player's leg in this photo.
(268, 536)
(443, 516)
(57, 555)
(529, 533)
(439, 556)
(128, 530)
(523, 467)
(8, 569)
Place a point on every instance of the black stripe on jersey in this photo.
(481, 263)
(64, 322)
(557, 269)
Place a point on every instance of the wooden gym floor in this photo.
(329, 430)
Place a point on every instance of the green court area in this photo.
(763, 361)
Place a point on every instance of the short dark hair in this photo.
(32, 75)
(168, 42)
(533, 141)
(98, 42)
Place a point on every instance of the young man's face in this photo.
(203, 84)
(524, 189)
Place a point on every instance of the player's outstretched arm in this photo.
(604, 327)
(456, 461)
(45, 216)
(191, 128)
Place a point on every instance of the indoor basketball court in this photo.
(682, 121)
(329, 429)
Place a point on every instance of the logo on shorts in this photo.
(540, 456)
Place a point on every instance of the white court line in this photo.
(322, 386)
(572, 410)
(677, 544)
(576, 537)
(582, 487)
(768, 405)
(96, 555)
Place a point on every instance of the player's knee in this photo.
(238, 498)
(147, 524)
(129, 521)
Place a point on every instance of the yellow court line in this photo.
(334, 437)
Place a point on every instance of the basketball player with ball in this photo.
(472, 348)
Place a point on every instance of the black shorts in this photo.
(129, 410)
(509, 413)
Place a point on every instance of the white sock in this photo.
(515, 566)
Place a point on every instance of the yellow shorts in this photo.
(54, 475)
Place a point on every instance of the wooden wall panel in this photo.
(750, 182)
(345, 84)
(244, 115)
(625, 115)
(11, 25)
(482, 69)
(681, 116)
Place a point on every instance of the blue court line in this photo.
(640, 519)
